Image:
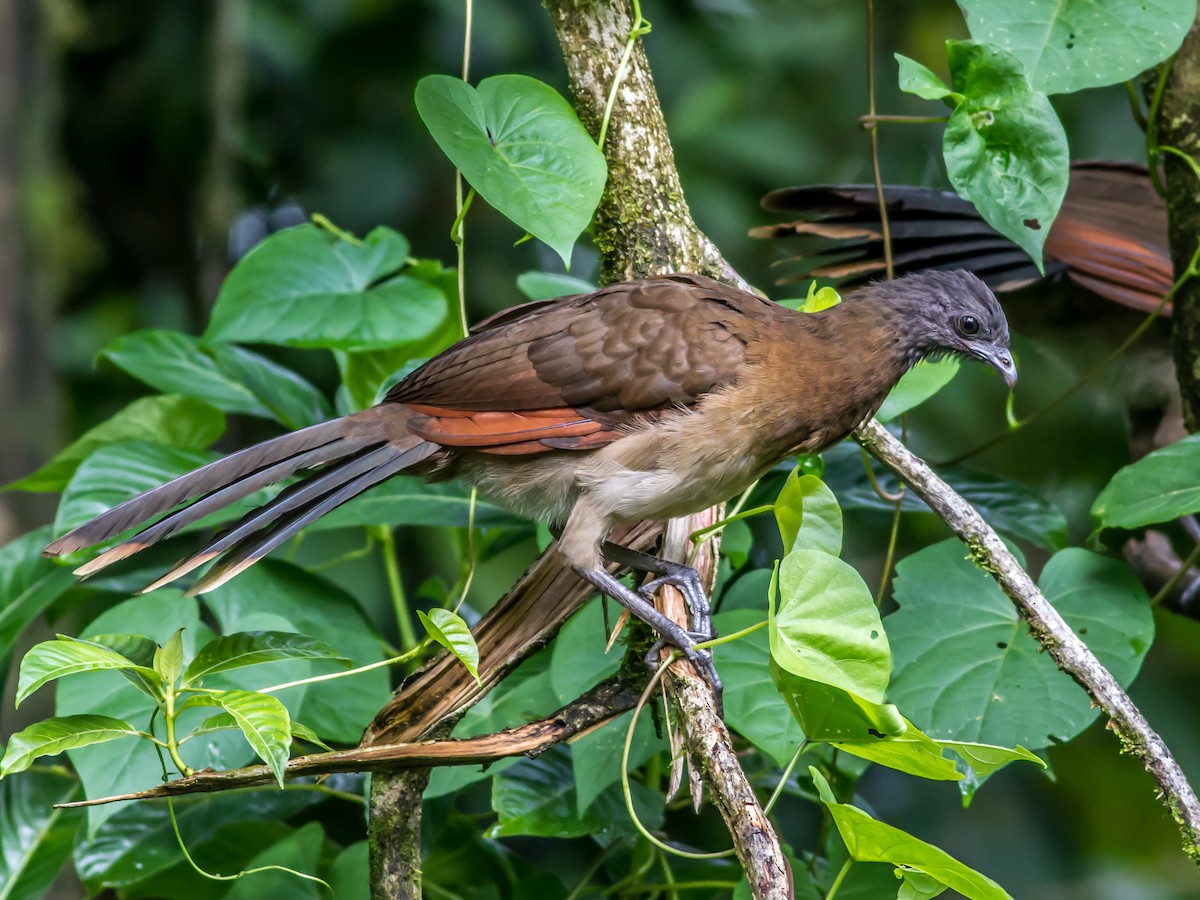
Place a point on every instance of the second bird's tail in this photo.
(353, 453)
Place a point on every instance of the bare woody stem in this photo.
(1062, 644)
(603, 702)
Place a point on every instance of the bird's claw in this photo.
(701, 658)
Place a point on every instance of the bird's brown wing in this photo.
(566, 374)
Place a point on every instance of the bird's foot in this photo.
(700, 657)
(687, 581)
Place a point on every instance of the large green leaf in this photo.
(118, 473)
(174, 421)
(52, 736)
(412, 501)
(753, 708)
(551, 285)
(870, 840)
(537, 797)
(121, 766)
(827, 627)
(1159, 487)
(300, 852)
(249, 648)
(966, 667)
(1010, 507)
(28, 584)
(808, 515)
(522, 148)
(223, 832)
(263, 721)
(305, 287)
(1005, 149)
(337, 710)
(230, 378)
(1068, 45)
(35, 838)
(55, 659)
(916, 386)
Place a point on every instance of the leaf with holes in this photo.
(966, 667)
(1005, 149)
(522, 148)
(1069, 45)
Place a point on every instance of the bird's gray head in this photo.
(953, 313)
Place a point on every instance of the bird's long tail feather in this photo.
(354, 453)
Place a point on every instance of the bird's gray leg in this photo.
(671, 631)
(685, 578)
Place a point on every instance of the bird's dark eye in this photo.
(968, 325)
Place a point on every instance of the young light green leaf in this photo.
(304, 733)
(1069, 45)
(966, 667)
(916, 386)
(808, 515)
(174, 421)
(305, 287)
(1159, 487)
(917, 79)
(449, 630)
(1005, 149)
(52, 736)
(827, 627)
(263, 720)
(54, 659)
(522, 148)
(549, 285)
(138, 649)
(916, 885)
(168, 659)
(815, 301)
(230, 378)
(870, 840)
(249, 648)
(911, 752)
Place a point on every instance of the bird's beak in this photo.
(1000, 358)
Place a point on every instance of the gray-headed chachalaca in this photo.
(643, 400)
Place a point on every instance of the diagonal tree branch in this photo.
(607, 700)
(1066, 649)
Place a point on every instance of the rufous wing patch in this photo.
(515, 433)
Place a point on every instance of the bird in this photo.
(1110, 236)
(643, 400)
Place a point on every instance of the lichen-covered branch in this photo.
(1055, 636)
(643, 226)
